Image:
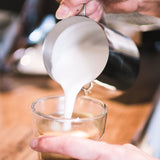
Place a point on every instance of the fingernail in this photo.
(34, 143)
(63, 12)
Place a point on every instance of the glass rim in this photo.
(76, 120)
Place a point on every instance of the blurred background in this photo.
(23, 78)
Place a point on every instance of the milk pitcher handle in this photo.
(83, 11)
(123, 63)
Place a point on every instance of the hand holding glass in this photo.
(88, 120)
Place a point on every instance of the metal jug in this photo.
(123, 61)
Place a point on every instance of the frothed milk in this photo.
(78, 57)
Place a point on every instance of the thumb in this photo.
(69, 8)
(71, 146)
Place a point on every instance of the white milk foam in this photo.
(80, 60)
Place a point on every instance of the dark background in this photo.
(13, 5)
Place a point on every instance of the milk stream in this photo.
(78, 62)
(72, 72)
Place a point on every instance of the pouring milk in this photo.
(74, 56)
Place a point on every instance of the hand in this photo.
(94, 8)
(146, 7)
(68, 8)
(81, 149)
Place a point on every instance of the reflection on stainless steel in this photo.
(123, 63)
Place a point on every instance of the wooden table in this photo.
(126, 111)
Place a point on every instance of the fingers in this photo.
(121, 6)
(67, 8)
(78, 148)
(151, 8)
(94, 10)
(65, 11)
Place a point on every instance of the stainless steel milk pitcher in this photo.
(123, 63)
(122, 66)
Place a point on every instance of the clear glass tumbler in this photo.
(88, 120)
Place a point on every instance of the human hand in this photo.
(80, 148)
(68, 8)
(94, 8)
